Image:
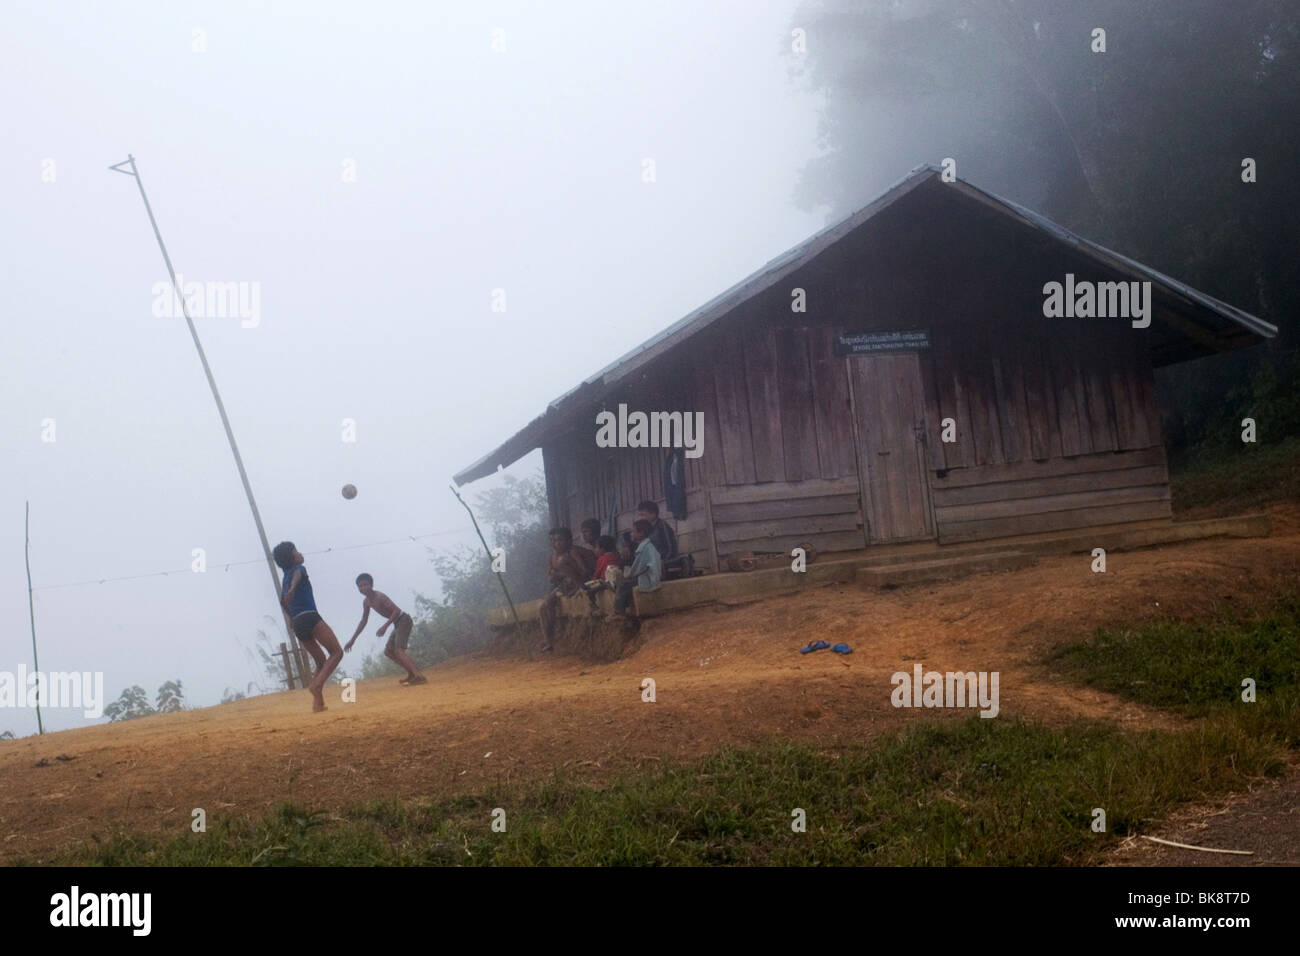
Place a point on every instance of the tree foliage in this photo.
(134, 702)
(1139, 148)
(171, 698)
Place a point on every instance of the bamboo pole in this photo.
(212, 383)
(31, 610)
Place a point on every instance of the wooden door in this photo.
(890, 426)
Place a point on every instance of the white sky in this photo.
(475, 170)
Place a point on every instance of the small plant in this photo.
(286, 845)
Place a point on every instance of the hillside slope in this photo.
(723, 676)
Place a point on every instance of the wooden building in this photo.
(826, 426)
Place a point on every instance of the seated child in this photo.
(606, 557)
(646, 569)
(607, 561)
(566, 569)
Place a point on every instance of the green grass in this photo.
(1244, 478)
(1197, 668)
(942, 793)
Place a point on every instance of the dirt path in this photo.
(723, 676)
(1265, 821)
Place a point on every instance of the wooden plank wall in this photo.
(776, 404)
(1057, 422)
(990, 501)
(779, 447)
(555, 494)
(778, 516)
(776, 419)
(1021, 386)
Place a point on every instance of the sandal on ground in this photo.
(841, 649)
(814, 646)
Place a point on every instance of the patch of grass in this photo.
(941, 793)
(1197, 668)
(1247, 477)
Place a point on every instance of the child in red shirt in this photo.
(606, 558)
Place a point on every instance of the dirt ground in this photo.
(723, 676)
(1264, 822)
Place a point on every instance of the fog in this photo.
(443, 216)
(475, 170)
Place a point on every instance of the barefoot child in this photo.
(398, 619)
(298, 601)
(567, 569)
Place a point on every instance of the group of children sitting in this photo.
(637, 561)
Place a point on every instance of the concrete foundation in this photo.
(901, 565)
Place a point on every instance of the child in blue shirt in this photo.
(646, 570)
(298, 601)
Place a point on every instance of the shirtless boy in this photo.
(397, 619)
(567, 568)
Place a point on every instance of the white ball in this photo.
(349, 491)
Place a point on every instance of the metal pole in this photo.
(31, 611)
(212, 383)
(500, 577)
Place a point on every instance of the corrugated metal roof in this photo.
(556, 414)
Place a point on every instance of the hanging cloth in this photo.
(675, 483)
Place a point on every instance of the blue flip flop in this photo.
(814, 646)
(841, 649)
